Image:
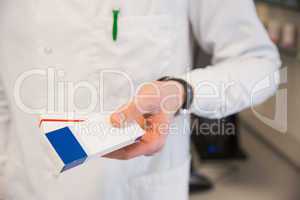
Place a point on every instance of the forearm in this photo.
(233, 85)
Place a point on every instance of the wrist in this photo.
(186, 91)
(179, 92)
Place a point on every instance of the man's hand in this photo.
(153, 108)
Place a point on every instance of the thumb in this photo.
(126, 114)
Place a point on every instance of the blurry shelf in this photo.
(288, 142)
(281, 4)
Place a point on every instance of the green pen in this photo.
(115, 24)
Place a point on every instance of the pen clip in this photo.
(115, 28)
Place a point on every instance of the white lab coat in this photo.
(155, 39)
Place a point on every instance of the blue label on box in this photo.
(67, 146)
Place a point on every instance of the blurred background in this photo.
(261, 159)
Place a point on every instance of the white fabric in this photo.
(156, 38)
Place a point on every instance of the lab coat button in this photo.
(48, 50)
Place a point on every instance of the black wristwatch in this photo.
(188, 91)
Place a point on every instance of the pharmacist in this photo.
(152, 42)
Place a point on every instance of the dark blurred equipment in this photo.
(198, 182)
(213, 140)
(216, 139)
(208, 143)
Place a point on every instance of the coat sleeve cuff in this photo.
(206, 102)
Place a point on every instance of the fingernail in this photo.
(122, 119)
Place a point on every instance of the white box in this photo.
(71, 141)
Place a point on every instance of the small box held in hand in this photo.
(72, 141)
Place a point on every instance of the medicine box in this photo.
(72, 141)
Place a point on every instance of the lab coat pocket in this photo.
(164, 185)
(141, 49)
